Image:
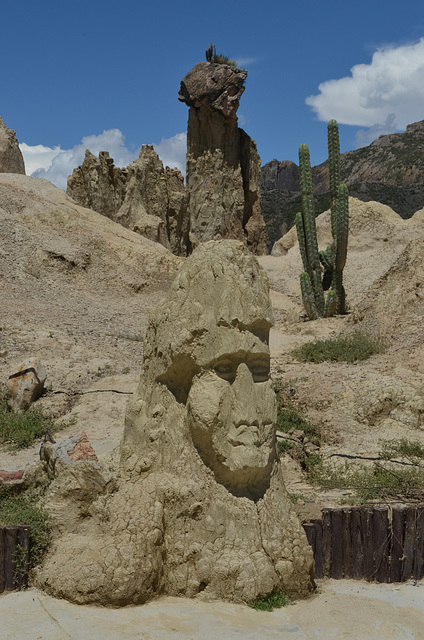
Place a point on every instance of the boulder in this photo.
(26, 384)
(11, 158)
(201, 509)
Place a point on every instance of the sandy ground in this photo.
(342, 609)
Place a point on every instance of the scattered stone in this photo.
(26, 384)
(11, 476)
(11, 158)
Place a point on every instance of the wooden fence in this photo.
(14, 548)
(381, 544)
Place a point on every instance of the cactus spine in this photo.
(313, 283)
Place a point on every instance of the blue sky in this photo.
(106, 75)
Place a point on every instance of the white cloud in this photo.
(364, 137)
(391, 86)
(57, 164)
(172, 151)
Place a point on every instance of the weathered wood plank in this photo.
(347, 542)
(10, 542)
(357, 546)
(396, 551)
(418, 570)
(326, 542)
(336, 544)
(409, 542)
(2, 559)
(380, 533)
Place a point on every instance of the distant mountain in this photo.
(390, 170)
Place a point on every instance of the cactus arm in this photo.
(313, 266)
(334, 169)
(330, 304)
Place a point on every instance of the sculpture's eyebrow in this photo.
(259, 328)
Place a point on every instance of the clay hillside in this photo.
(390, 170)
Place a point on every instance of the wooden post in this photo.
(409, 543)
(10, 542)
(357, 546)
(396, 551)
(347, 543)
(367, 543)
(2, 550)
(23, 542)
(337, 544)
(326, 542)
(418, 571)
(380, 531)
(319, 571)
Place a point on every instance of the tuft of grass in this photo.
(380, 482)
(355, 347)
(22, 508)
(288, 418)
(19, 430)
(274, 600)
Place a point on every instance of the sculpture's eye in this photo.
(225, 370)
(259, 371)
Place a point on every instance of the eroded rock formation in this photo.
(200, 508)
(223, 165)
(11, 158)
(143, 197)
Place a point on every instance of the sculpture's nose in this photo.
(243, 375)
(245, 402)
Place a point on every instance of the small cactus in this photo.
(313, 281)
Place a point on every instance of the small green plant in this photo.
(379, 482)
(19, 430)
(313, 281)
(354, 347)
(125, 370)
(23, 508)
(218, 58)
(274, 600)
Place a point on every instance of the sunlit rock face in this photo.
(11, 158)
(201, 509)
(223, 164)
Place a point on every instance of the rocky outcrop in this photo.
(143, 197)
(223, 165)
(390, 170)
(97, 184)
(199, 508)
(11, 158)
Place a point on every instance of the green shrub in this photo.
(218, 58)
(274, 600)
(19, 430)
(351, 348)
(379, 482)
(22, 508)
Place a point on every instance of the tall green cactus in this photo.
(312, 281)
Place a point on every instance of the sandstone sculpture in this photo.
(223, 165)
(11, 158)
(200, 507)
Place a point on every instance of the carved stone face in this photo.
(231, 410)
